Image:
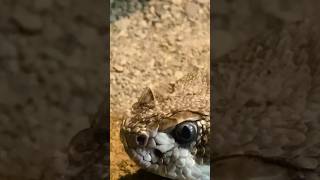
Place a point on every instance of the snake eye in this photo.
(185, 132)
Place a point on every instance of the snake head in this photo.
(172, 145)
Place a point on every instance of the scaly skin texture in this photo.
(149, 135)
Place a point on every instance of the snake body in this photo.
(168, 131)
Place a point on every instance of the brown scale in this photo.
(203, 150)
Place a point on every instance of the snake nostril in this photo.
(142, 139)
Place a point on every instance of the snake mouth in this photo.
(151, 154)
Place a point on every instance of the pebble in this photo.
(118, 68)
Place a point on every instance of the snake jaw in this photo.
(162, 155)
(161, 150)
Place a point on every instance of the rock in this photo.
(118, 68)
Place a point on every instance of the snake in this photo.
(168, 130)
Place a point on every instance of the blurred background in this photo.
(266, 99)
(52, 73)
(237, 21)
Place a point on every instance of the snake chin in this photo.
(163, 156)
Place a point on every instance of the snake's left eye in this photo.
(185, 132)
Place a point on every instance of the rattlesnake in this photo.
(168, 131)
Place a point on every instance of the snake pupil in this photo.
(185, 133)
